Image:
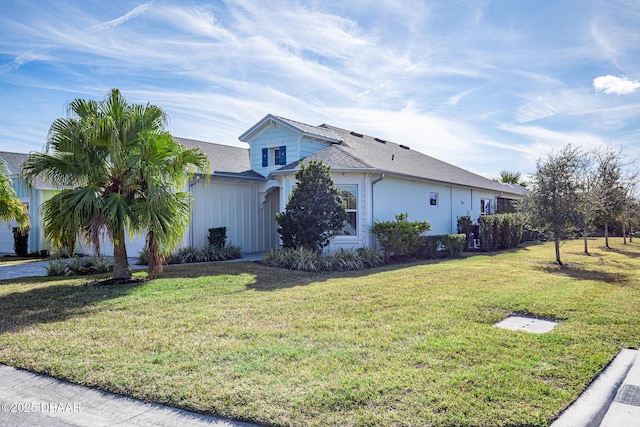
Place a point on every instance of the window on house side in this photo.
(485, 206)
(433, 199)
(349, 195)
(276, 156)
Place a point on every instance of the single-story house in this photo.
(382, 178)
(248, 186)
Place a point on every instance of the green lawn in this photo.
(403, 345)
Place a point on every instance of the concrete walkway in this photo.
(612, 399)
(29, 399)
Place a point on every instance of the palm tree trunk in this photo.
(121, 268)
(154, 256)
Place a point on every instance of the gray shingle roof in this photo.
(224, 160)
(311, 130)
(15, 161)
(360, 151)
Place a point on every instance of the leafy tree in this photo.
(610, 191)
(509, 177)
(314, 212)
(120, 169)
(552, 204)
(11, 209)
(588, 195)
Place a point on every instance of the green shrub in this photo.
(312, 260)
(465, 226)
(79, 266)
(400, 238)
(314, 211)
(217, 237)
(57, 268)
(190, 254)
(442, 245)
(502, 231)
(21, 241)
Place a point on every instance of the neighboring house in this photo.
(378, 179)
(32, 197)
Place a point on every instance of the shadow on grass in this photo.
(581, 273)
(53, 303)
(630, 254)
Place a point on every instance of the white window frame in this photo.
(485, 206)
(433, 196)
(350, 211)
(276, 156)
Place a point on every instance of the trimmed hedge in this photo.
(442, 246)
(400, 238)
(501, 231)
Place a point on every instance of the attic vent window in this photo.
(381, 140)
(404, 146)
(359, 135)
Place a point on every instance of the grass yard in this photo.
(403, 345)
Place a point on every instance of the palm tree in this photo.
(11, 209)
(509, 177)
(121, 169)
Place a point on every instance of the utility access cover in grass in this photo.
(527, 324)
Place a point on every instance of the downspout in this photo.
(373, 211)
(193, 182)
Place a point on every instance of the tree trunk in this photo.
(121, 268)
(153, 255)
(585, 231)
(606, 235)
(556, 240)
(624, 233)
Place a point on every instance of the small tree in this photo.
(552, 204)
(314, 212)
(611, 193)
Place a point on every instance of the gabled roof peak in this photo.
(316, 132)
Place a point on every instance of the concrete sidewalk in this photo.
(39, 268)
(612, 399)
(28, 399)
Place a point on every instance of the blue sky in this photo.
(485, 85)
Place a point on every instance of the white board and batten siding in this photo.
(231, 203)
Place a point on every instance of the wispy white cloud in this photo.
(457, 81)
(122, 19)
(615, 85)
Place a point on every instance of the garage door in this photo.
(6, 238)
